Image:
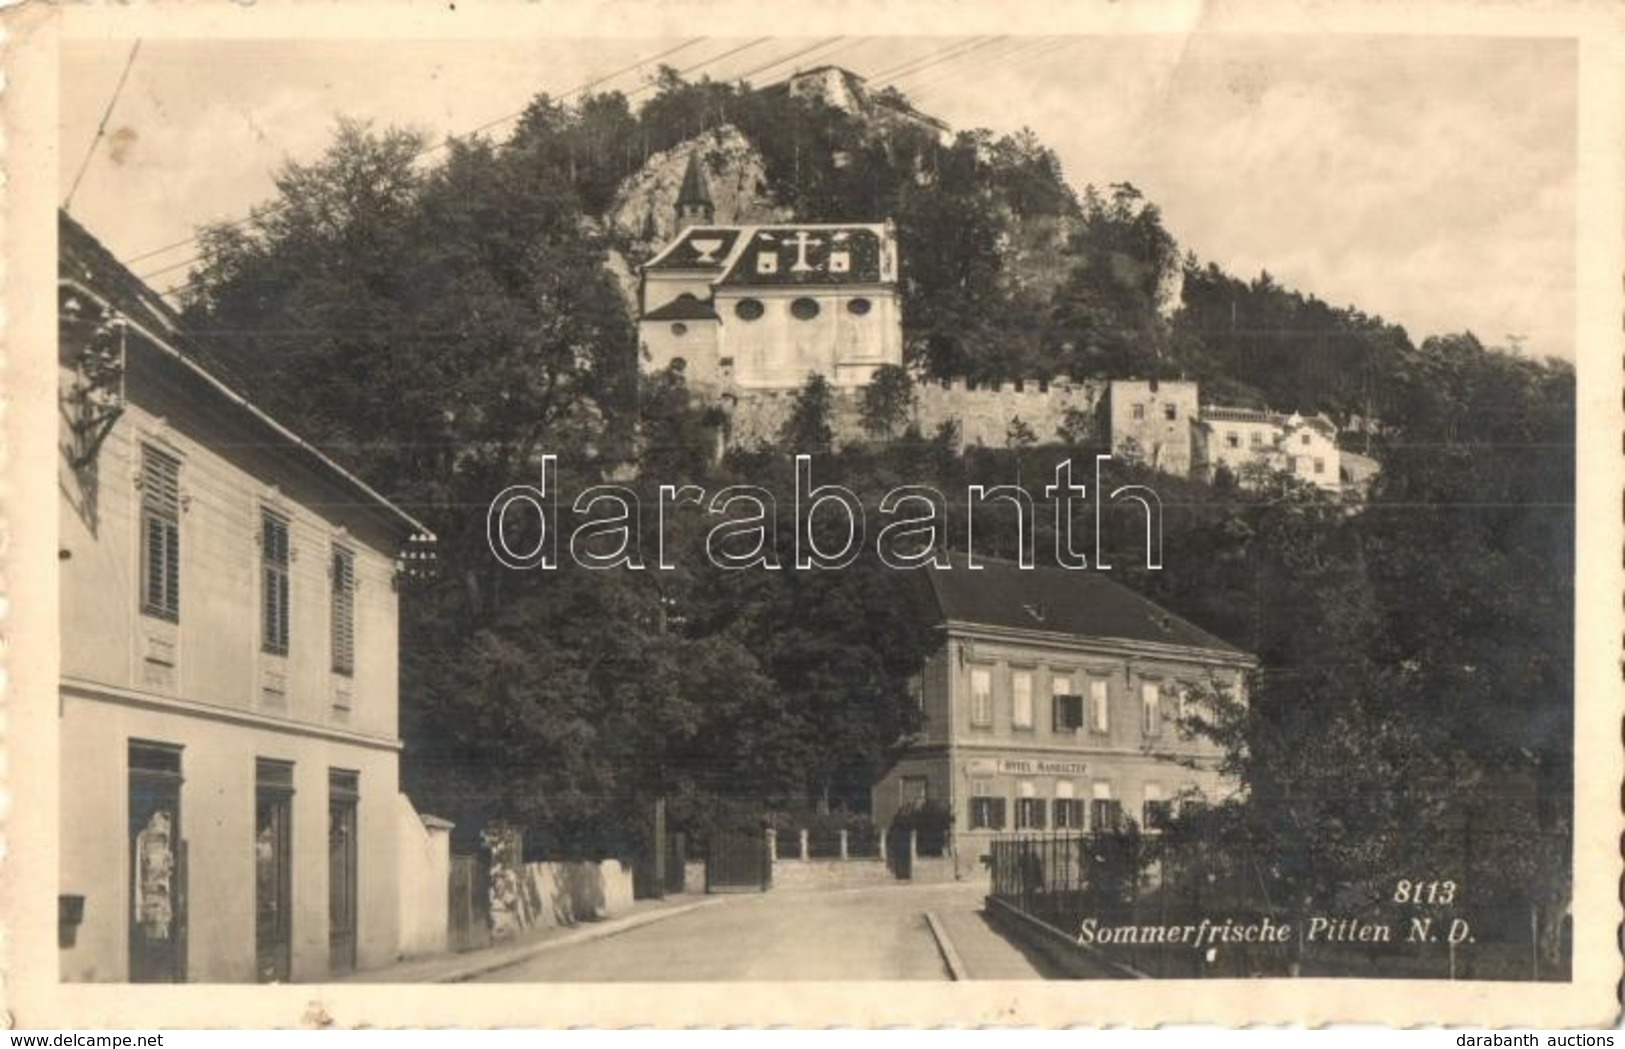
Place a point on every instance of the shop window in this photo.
(1157, 811)
(986, 813)
(1106, 814)
(1029, 813)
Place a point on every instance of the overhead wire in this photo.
(432, 147)
(101, 128)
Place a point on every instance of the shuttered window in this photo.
(160, 534)
(343, 611)
(274, 590)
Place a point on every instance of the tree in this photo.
(812, 411)
(887, 401)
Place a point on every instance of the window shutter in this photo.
(343, 611)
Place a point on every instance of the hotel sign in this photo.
(1025, 767)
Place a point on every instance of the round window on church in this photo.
(679, 328)
(857, 307)
(804, 309)
(748, 309)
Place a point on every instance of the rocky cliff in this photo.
(643, 215)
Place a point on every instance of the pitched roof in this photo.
(684, 307)
(1211, 413)
(85, 263)
(83, 259)
(1086, 604)
(699, 248)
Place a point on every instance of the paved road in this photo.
(861, 934)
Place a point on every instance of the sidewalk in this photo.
(465, 965)
(981, 953)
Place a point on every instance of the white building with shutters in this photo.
(228, 699)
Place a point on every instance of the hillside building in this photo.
(1245, 441)
(228, 696)
(1054, 704)
(763, 306)
(1150, 421)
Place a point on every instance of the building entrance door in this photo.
(342, 795)
(273, 870)
(157, 865)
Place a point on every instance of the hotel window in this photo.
(1139, 411)
(1151, 708)
(981, 697)
(1068, 809)
(1304, 439)
(1068, 716)
(986, 811)
(1157, 811)
(1256, 439)
(1099, 705)
(274, 574)
(1029, 809)
(160, 535)
(1232, 439)
(1320, 466)
(1105, 812)
(343, 611)
(1021, 699)
(912, 791)
(1170, 412)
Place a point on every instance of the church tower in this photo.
(694, 206)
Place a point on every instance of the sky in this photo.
(1430, 180)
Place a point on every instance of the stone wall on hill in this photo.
(986, 415)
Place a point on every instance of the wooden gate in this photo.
(899, 853)
(470, 904)
(738, 861)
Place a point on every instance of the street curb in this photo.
(950, 956)
(596, 931)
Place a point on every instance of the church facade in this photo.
(763, 306)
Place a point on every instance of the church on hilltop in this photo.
(748, 311)
(763, 306)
